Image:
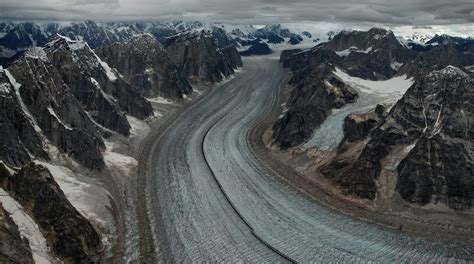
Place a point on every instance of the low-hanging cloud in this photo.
(398, 12)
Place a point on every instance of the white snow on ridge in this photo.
(346, 52)
(395, 86)
(110, 73)
(74, 44)
(160, 100)
(27, 227)
(36, 53)
(17, 86)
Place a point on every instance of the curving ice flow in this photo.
(210, 200)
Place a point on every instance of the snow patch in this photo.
(396, 65)
(160, 100)
(95, 82)
(395, 86)
(110, 73)
(53, 113)
(27, 227)
(346, 52)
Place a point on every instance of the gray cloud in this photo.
(396, 12)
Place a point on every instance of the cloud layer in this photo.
(397, 12)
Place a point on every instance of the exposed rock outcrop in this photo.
(103, 93)
(295, 39)
(53, 108)
(286, 55)
(22, 139)
(232, 56)
(311, 101)
(146, 65)
(70, 236)
(258, 48)
(197, 57)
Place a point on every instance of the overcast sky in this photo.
(398, 12)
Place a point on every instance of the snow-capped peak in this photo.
(71, 44)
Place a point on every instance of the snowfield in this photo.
(395, 86)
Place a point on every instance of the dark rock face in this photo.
(442, 56)
(249, 42)
(22, 137)
(375, 38)
(286, 55)
(71, 237)
(357, 126)
(197, 57)
(306, 34)
(257, 49)
(311, 101)
(295, 39)
(100, 89)
(58, 114)
(13, 248)
(232, 56)
(146, 65)
(272, 30)
(275, 39)
(435, 118)
(440, 166)
(222, 37)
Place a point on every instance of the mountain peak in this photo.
(60, 42)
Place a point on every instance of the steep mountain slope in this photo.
(147, 66)
(13, 248)
(368, 55)
(100, 89)
(71, 237)
(198, 58)
(45, 107)
(311, 101)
